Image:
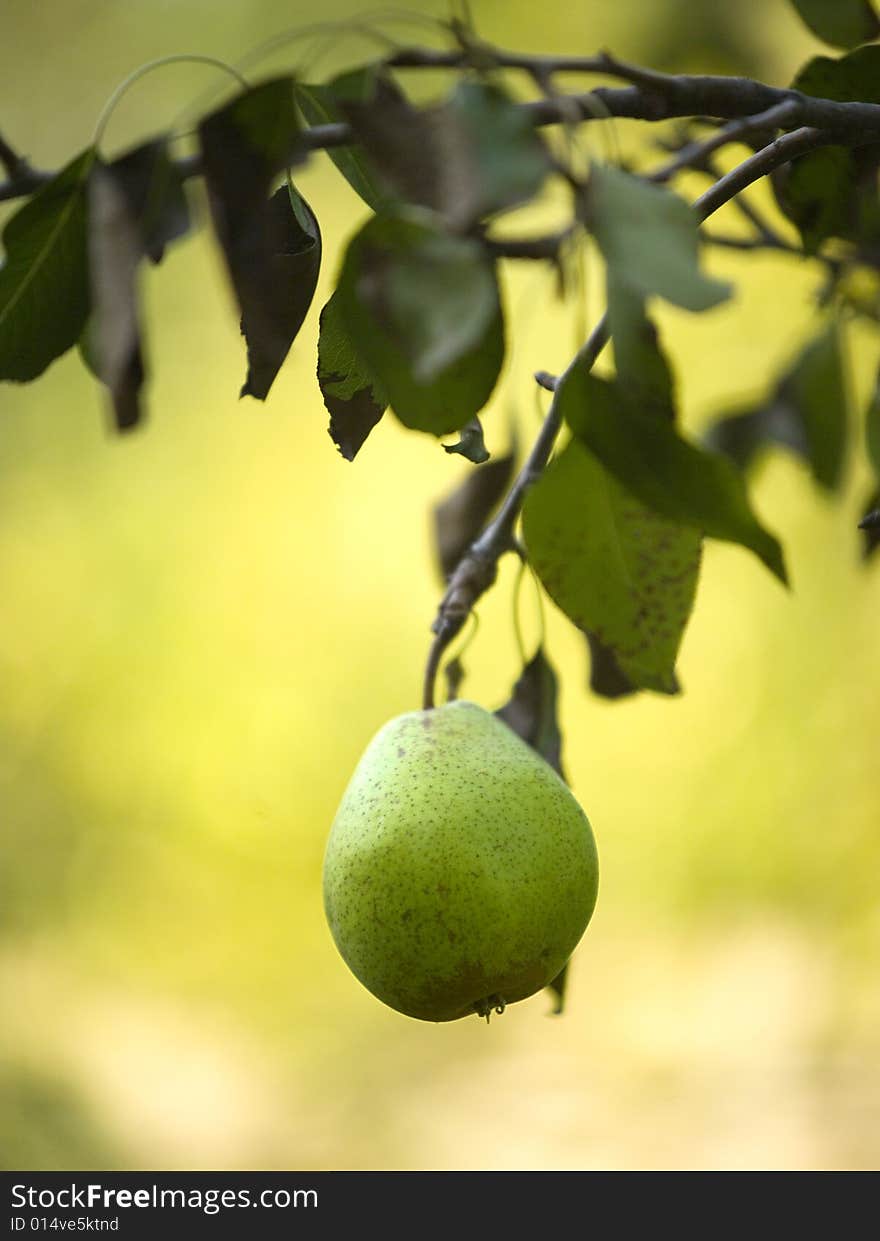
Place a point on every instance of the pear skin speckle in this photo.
(460, 869)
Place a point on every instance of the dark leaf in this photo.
(136, 207)
(870, 525)
(276, 312)
(271, 247)
(817, 193)
(44, 280)
(607, 678)
(320, 106)
(454, 674)
(618, 570)
(855, 76)
(155, 194)
(649, 239)
(471, 443)
(114, 337)
(558, 986)
(531, 712)
(842, 23)
(394, 135)
(353, 397)
(472, 155)
(460, 517)
(742, 436)
(246, 143)
(807, 413)
(670, 476)
(422, 311)
(833, 192)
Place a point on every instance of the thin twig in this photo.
(729, 242)
(696, 154)
(750, 212)
(528, 247)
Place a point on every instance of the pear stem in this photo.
(478, 568)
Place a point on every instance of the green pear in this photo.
(460, 872)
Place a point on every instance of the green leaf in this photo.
(843, 23)
(669, 475)
(422, 310)
(471, 443)
(644, 374)
(320, 106)
(460, 517)
(532, 710)
(353, 396)
(642, 367)
(649, 239)
(489, 155)
(44, 280)
(280, 288)
(616, 568)
(806, 413)
(849, 78)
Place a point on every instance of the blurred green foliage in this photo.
(207, 620)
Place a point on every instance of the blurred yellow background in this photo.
(204, 623)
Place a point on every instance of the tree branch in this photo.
(652, 96)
